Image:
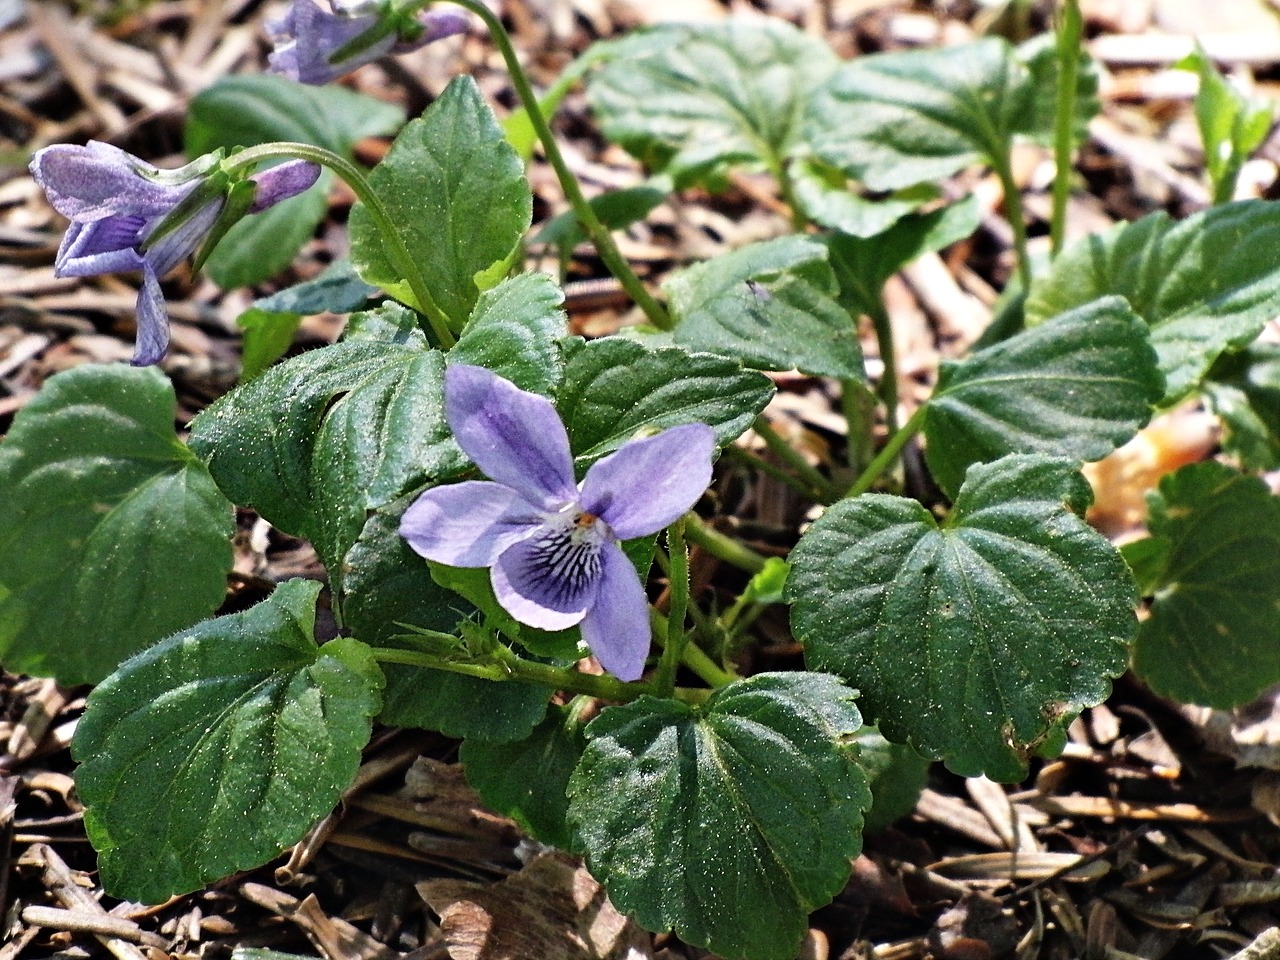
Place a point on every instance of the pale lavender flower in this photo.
(128, 215)
(315, 46)
(551, 544)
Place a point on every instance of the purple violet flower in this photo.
(116, 202)
(316, 46)
(551, 544)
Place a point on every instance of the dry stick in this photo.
(99, 924)
(60, 881)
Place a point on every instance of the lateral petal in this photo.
(467, 524)
(649, 483)
(513, 436)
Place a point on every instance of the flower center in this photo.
(565, 553)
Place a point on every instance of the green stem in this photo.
(394, 244)
(1014, 214)
(718, 545)
(693, 657)
(889, 454)
(596, 230)
(1070, 29)
(749, 459)
(889, 357)
(664, 678)
(789, 454)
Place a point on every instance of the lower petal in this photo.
(549, 580)
(153, 321)
(616, 628)
(467, 524)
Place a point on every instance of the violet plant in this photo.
(457, 420)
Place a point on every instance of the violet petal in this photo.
(467, 524)
(182, 241)
(313, 36)
(281, 182)
(88, 249)
(649, 483)
(616, 628)
(549, 580)
(153, 321)
(513, 436)
(95, 181)
(438, 23)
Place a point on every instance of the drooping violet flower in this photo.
(316, 46)
(128, 215)
(551, 544)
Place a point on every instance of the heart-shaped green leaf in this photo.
(691, 98)
(1078, 386)
(616, 389)
(455, 191)
(1205, 285)
(1244, 390)
(769, 305)
(973, 641)
(515, 331)
(214, 750)
(1213, 636)
(112, 535)
(728, 824)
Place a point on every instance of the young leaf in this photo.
(1078, 386)
(112, 535)
(527, 779)
(1040, 55)
(863, 265)
(267, 336)
(897, 774)
(728, 824)
(768, 305)
(1244, 390)
(616, 389)
(825, 197)
(896, 119)
(1205, 285)
(514, 332)
(1213, 637)
(456, 192)
(216, 749)
(693, 98)
(385, 584)
(974, 641)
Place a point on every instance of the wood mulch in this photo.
(1148, 837)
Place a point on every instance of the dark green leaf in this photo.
(1078, 386)
(248, 109)
(527, 779)
(389, 322)
(337, 290)
(863, 265)
(769, 305)
(456, 192)
(616, 209)
(896, 119)
(112, 535)
(825, 197)
(1040, 54)
(1213, 636)
(729, 824)
(515, 332)
(1244, 390)
(615, 389)
(972, 641)
(691, 98)
(897, 773)
(1205, 285)
(216, 749)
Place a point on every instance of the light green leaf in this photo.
(616, 209)
(896, 119)
(527, 779)
(267, 336)
(1244, 390)
(456, 192)
(975, 641)
(897, 773)
(688, 99)
(1213, 636)
(769, 305)
(515, 332)
(615, 390)
(216, 749)
(728, 824)
(1205, 285)
(826, 198)
(112, 535)
(1078, 386)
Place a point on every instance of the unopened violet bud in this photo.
(128, 215)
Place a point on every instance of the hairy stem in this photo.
(664, 679)
(1070, 28)
(718, 545)
(885, 458)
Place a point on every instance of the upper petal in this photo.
(550, 579)
(467, 524)
(650, 483)
(282, 182)
(98, 180)
(616, 628)
(514, 437)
